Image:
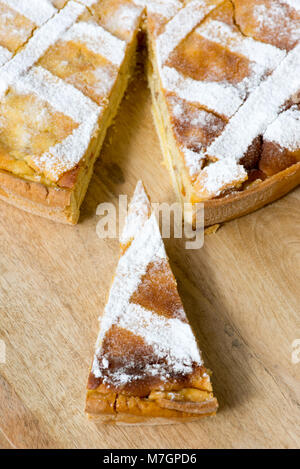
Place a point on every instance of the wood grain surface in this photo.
(241, 292)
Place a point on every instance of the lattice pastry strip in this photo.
(18, 20)
(263, 58)
(263, 105)
(65, 99)
(41, 40)
(5, 55)
(219, 96)
(271, 21)
(38, 11)
(281, 142)
(88, 57)
(119, 17)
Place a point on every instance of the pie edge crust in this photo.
(242, 203)
(157, 416)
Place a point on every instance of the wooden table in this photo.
(241, 292)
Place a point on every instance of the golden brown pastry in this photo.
(225, 82)
(63, 75)
(147, 366)
(224, 76)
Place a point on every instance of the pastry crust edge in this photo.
(242, 203)
(113, 410)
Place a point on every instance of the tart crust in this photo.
(128, 410)
(242, 203)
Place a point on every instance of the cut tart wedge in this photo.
(225, 83)
(61, 82)
(147, 366)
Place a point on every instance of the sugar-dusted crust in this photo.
(241, 203)
(236, 204)
(62, 204)
(175, 131)
(59, 197)
(59, 204)
(147, 366)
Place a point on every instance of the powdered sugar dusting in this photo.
(285, 130)
(43, 38)
(125, 17)
(222, 98)
(198, 117)
(202, 127)
(38, 11)
(260, 109)
(5, 55)
(218, 176)
(251, 105)
(255, 51)
(21, 73)
(181, 25)
(193, 160)
(87, 3)
(98, 40)
(105, 76)
(171, 339)
(295, 4)
(68, 100)
(138, 212)
(270, 17)
(62, 96)
(66, 155)
(165, 8)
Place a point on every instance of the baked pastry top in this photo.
(63, 74)
(147, 364)
(225, 81)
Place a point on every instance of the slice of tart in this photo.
(59, 92)
(147, 366)
(225, 82)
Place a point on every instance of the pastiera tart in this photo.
(225, 82)
(65, 68)
(147, 366)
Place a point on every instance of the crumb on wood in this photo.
(212, 229)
